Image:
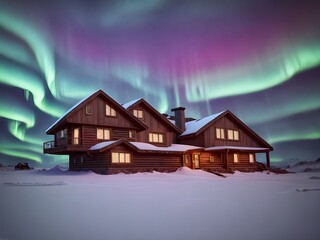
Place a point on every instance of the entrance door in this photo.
(76, 136)
(196, 161)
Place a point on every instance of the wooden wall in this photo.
(99, 117)
(243, 164)
(141, 162)
(156, 125)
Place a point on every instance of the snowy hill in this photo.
(301, 166)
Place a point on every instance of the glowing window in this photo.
(219, 133)
(235, 158)
(131, 134)
(138, 113)
(119, 157)
(110, 111)
(156, 137)
(62, 133)
(103, 133)
(233, 134)
(251, 158)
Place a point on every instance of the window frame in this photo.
(121, 157)
(137, 112)
(236, 159)
(131, 134)
(231, 134)
(103, 133)
(218, 133)
(110, 111)
(62, 133)
(154, 137)
(89, 112)
(251, 155)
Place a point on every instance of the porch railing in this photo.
(62, 142)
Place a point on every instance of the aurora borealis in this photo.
(258, 58)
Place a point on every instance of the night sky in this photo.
(259, 59)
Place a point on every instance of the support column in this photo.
(268, 159)
(227, 159)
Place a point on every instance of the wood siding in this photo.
(140, 162)
(155, 126)
(207, 138)
(98, 116)
(243, 164)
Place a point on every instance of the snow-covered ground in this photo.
(187, 204)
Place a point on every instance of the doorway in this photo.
(196, 161)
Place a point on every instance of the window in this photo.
(110, 111)
(138, 113)
(131, 134)
(89, 110)
(233, 134)
(219, 133)
(76, 136)
(103, 133)
(156, 137)
(235, 158)
(251, 158)
(118, 157)
(62, 133)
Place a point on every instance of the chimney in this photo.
(180, 117)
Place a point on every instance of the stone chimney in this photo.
(180, 117)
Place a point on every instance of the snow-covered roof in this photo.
(172, 148)
(236, 148)
(148, 147)
(196, 125)
(128, 104)
(102, 145)
(74, 106)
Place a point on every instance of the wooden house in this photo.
(101, 135)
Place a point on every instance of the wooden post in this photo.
(268, 159)
(227, 159)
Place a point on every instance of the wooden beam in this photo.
(268, 159)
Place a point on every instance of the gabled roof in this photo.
(83, 102)
(129, 104)
(132, 104)
(196, 127)
(143, 147)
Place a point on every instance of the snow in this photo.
(149, 147)
(236, 148)
(128, 104)
(187, 204)
(172, 148)
(102, 145)
(74, 106)
(196, 125)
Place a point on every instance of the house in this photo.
(22, 166)
(101, 135)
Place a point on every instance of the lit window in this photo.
(235, 158)
(62, 133)
(251, 158)
(131, 134)
(220, 133)
(110, 111)
(138, 113)
(103, 133)
(156, 137)
(117, 157)
(233, 134)
(89, 110)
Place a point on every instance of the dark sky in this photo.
(259, 59)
